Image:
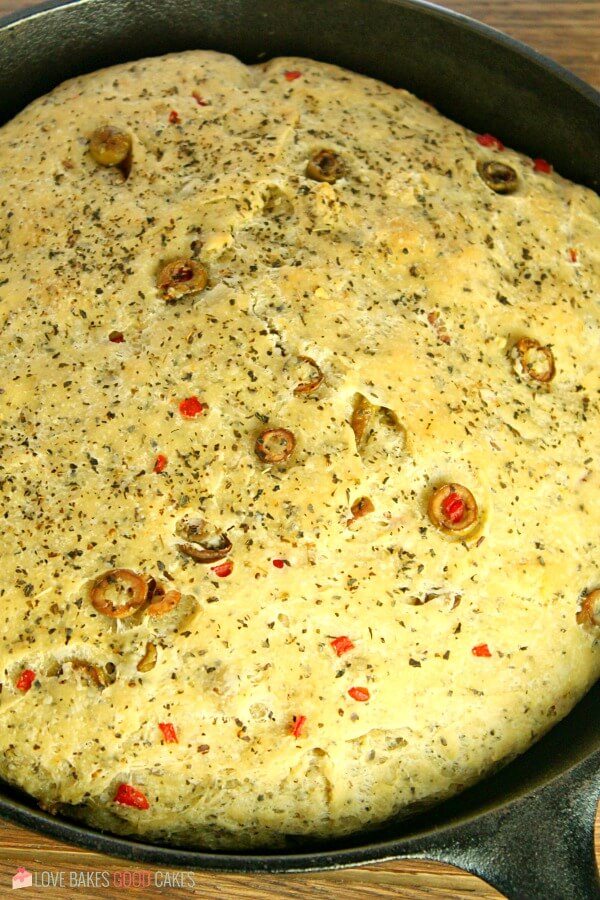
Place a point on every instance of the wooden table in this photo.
(569, 32)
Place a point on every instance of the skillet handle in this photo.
(540, 847)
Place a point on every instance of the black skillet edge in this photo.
(537, 847)
(477, 76)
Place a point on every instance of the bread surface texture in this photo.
(312, 650)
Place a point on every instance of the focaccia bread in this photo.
(299, 458)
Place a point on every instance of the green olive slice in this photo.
(498, 176)
(163, 601)
(203, 543)
(274, 445)
(91, 673)
(361, 507)
(589, 614)
(363, 412)
(148, 660)
(180, 277)
(118, 593)
(209, 550)
(325, 165)
(452, 508)
(307, 387)
(110, 146)
(530, 358)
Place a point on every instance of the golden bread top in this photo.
(318, 368)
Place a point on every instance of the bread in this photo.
(300, 441)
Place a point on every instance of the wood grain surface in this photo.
(569, 32)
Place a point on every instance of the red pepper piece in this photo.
(540, 165)
(130, 796)
(488, 140)
(359, 693)
(280, 563)
(342, 645)
(191, 407)
(200, 99)
(223, 569)
(292, 74)
(298, 725)
(573, 255)
(169, 733)
(481, 650)
(174, 117)
(159, 465)
(454, 507)
(116, 337)
(25, 680)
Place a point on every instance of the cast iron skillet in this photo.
(528, 830)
